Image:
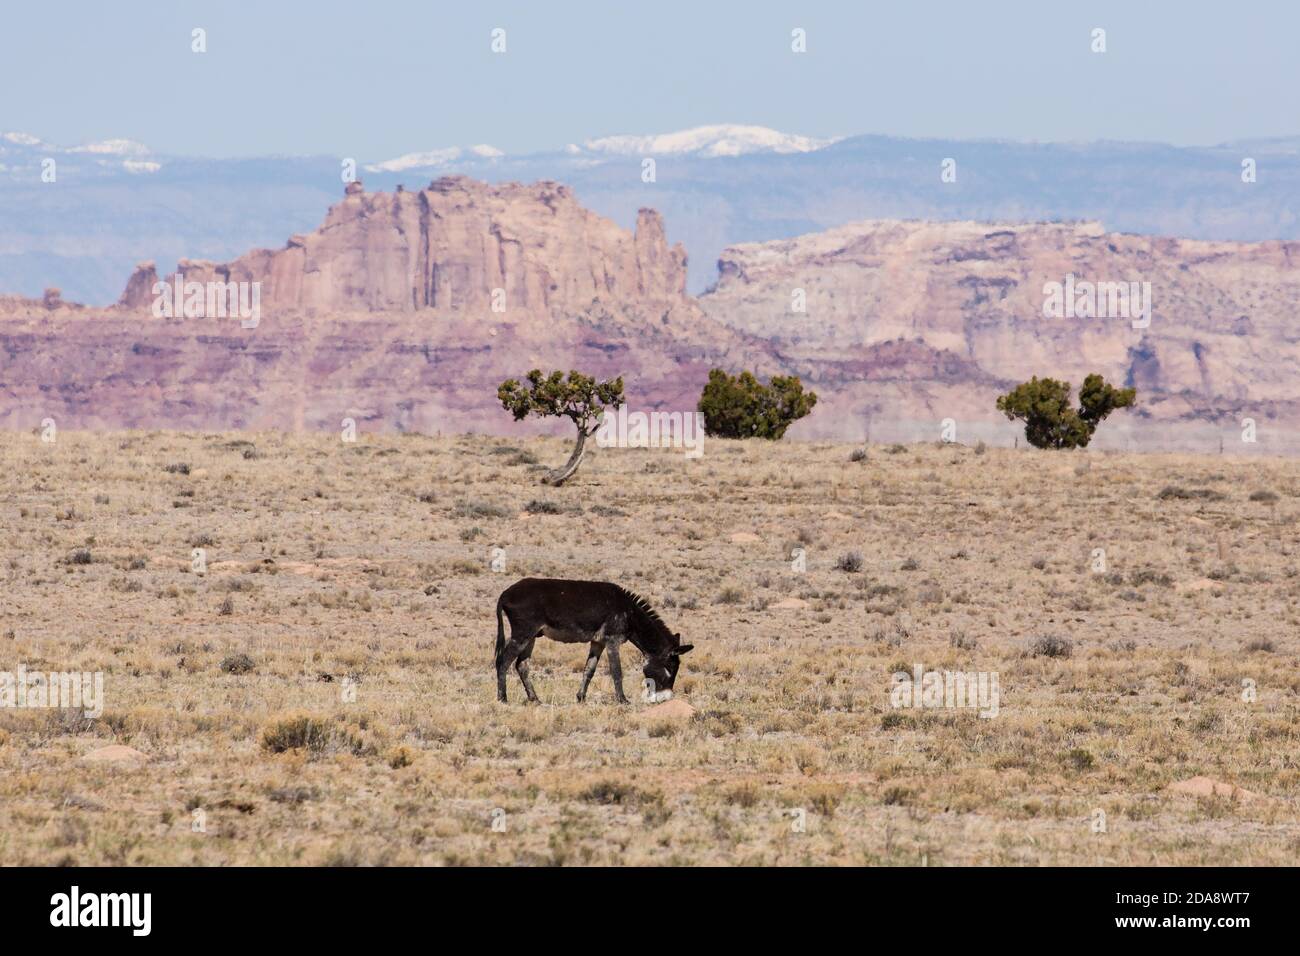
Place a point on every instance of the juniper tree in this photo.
(579, 398)
(741, 406)
(1044, 406)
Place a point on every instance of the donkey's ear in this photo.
(684, 648)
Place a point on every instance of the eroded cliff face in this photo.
(402, 311)
(406, 310)
(965, 302)
(386, 371)
(460, 247)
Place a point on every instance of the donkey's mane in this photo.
(642, 605)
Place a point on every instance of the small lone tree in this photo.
(743, 407)
(579, 398)
(1044, 406)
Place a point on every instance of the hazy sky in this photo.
(376, 79)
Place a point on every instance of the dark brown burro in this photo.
(597, 613)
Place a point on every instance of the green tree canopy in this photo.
(1050, 422)
(577, 397)
(743, 407)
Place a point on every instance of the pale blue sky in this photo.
(377, 79)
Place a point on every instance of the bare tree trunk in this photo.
(560, 475)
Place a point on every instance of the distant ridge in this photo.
(717, 188)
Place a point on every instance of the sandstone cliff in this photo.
(386, 315)
(511, 253)
(964, 303)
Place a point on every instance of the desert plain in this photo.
(315, 686)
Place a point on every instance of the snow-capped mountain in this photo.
(702, 141)
(435, 158)
(722, 140)
(113, 147)
(23, 154)
(116, 202)
(22, 157)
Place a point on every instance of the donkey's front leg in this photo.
(616, 672)
(593, 658)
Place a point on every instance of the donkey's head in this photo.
(661, 667)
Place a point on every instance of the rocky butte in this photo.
(907, 323)
(402, 311)
(405, 310)
(451, 248)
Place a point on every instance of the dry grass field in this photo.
(361, 570)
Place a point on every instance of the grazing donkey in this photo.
(597, 613)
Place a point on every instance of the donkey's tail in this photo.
(501, 637)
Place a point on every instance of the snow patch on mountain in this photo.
(113, 147)
(710, 141)
(434, 158)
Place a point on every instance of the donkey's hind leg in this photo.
(522, 635)
(508, 654)
(521, 667)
